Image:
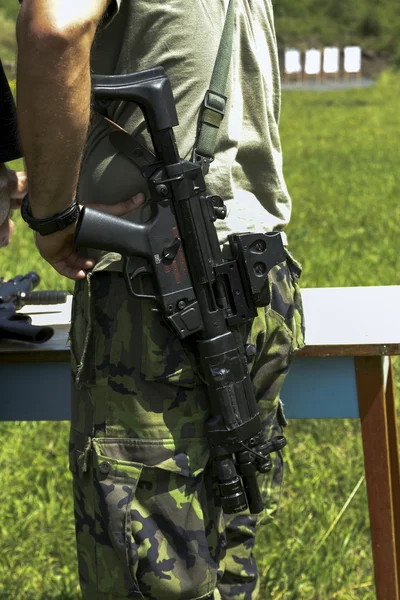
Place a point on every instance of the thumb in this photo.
(122, 208)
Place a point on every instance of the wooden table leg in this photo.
(379, 434)
(393, 434)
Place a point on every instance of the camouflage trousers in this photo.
(148, 518)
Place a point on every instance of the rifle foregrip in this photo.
(45, 297)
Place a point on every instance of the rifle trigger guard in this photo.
(130, 278)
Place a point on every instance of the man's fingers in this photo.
(122, 208)
(17, 186)
(81, 262)
(22, 183)
(67, 271)
(73, 267)
(78, 262)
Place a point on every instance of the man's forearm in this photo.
(53, 94)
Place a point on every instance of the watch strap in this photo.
(57, 222)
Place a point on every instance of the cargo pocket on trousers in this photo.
(115, 483)
(156, 527)
(164, 357)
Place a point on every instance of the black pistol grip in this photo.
(19, 328)
(96, 229)
(150, 89)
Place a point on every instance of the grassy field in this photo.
(341, 165)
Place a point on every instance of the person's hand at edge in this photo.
(17, 187)
(13, 187)
(58, 250)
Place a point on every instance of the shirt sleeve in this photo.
(9, 145)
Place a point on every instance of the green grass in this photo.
(37, 547)
(341, 165)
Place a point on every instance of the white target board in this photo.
(331, 61)
(313, 62)
(352, 59)
(292, 61)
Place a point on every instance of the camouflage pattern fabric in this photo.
(148, 518)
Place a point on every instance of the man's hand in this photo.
(58, 248)
(17, 187)
(13, 187)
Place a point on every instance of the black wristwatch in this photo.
(58, 222)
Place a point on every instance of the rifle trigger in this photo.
(129, 278)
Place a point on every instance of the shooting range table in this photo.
(345, 371)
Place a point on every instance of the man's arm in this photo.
(53, 104)
(53, 91)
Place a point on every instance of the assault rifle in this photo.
(16, 293)
(202, 296)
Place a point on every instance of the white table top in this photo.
(352, 321)
(352, 315)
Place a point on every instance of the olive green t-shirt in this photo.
(183, 36)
